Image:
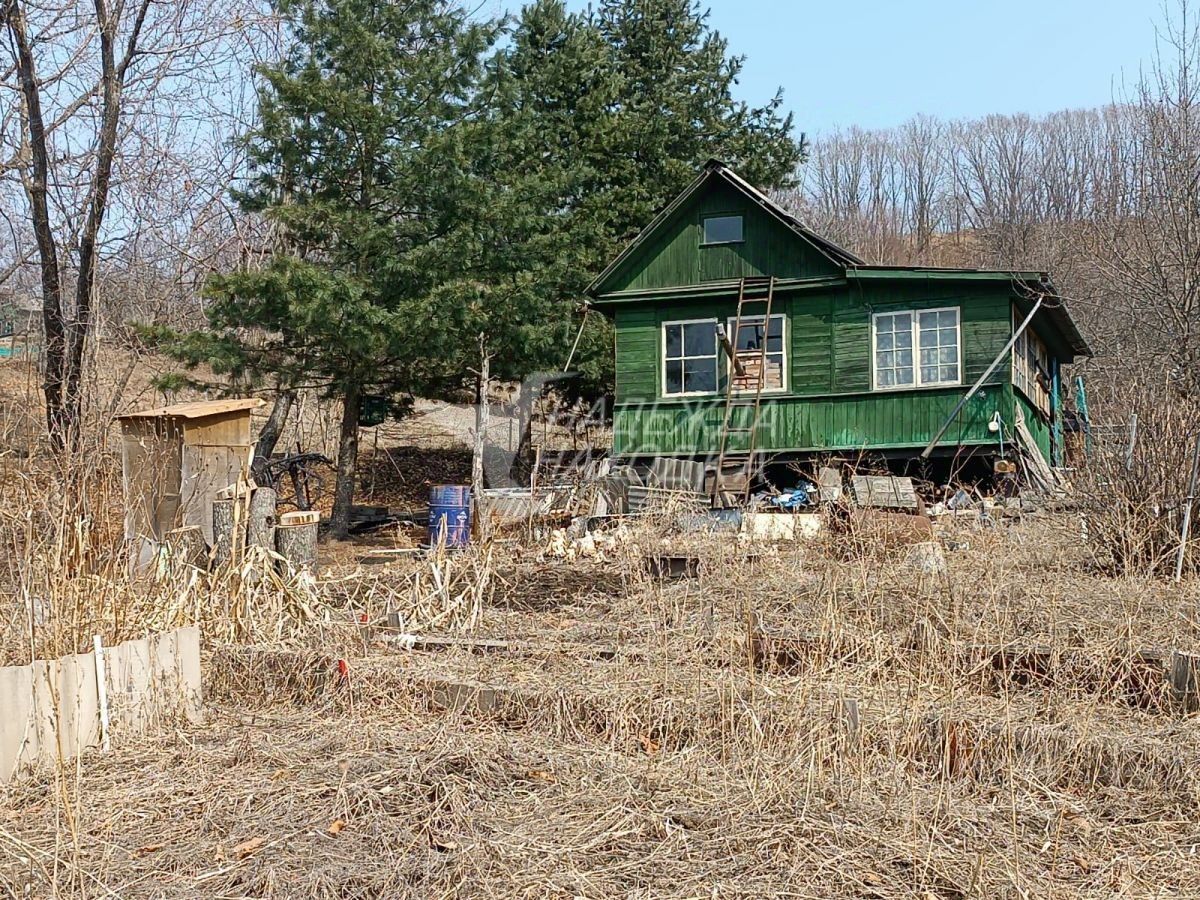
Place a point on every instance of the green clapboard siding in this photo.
(862, 422)
(828, 403)
(676, 258)
(1038, 425)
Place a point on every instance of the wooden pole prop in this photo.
(482, 524)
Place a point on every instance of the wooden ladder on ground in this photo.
(749, 291)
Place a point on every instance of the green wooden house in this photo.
(853, 357)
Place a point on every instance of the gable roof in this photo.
(715, 169)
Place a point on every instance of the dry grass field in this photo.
(808, 720)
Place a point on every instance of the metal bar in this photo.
(982, 378)
(1185, 529)
(1132, 443)
(762, 378)
(737, 325)
(575, 346)
(723, 337)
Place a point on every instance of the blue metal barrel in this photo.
(450, 515)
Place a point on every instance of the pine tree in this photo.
(359, 156)
(605, 117)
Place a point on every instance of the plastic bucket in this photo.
(449, 515)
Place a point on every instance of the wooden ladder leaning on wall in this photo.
(749, 291)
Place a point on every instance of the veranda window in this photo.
(916, 348)
(1031, 369)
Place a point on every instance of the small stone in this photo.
(926, 557)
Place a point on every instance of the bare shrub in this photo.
(1133, 502)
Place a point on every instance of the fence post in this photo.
(1187, 511)
(101, 690)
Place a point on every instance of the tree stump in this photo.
(187, 547)
(226, 524)
(260, 523)
(298, 545)
(260, 526)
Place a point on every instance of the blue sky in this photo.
(876, 63)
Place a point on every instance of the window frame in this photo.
(733, 214)
(662, 373)
(915, 326)
(783, 338)
(1042, 404)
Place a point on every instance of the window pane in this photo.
(948, 318)
(887, 378)
(674, 384)
(928, 357)
(775, 335)
(674, 340)
(749, 336)
(949, 356)
(700, 339)
(884, 341)
(722, 229)
(929, 374)
(904, 358)
(886, 359)
(948, 337)
(700, 375)
(904, 376)
(949, 373)
(904, 339)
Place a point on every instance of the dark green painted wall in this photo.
(878, 421)
(829, 403)
(676, 258)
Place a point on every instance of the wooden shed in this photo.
(177, 458)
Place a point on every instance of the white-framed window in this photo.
(1031, 367)
(724, 229)
(748, 345)
(916, 348)
(689, 357)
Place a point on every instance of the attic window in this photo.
(723, 230)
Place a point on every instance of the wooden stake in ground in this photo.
(481, 426)
(1187, 511)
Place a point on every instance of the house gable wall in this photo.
(674, 256)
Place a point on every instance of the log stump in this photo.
(298, 545)
(226, 522)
